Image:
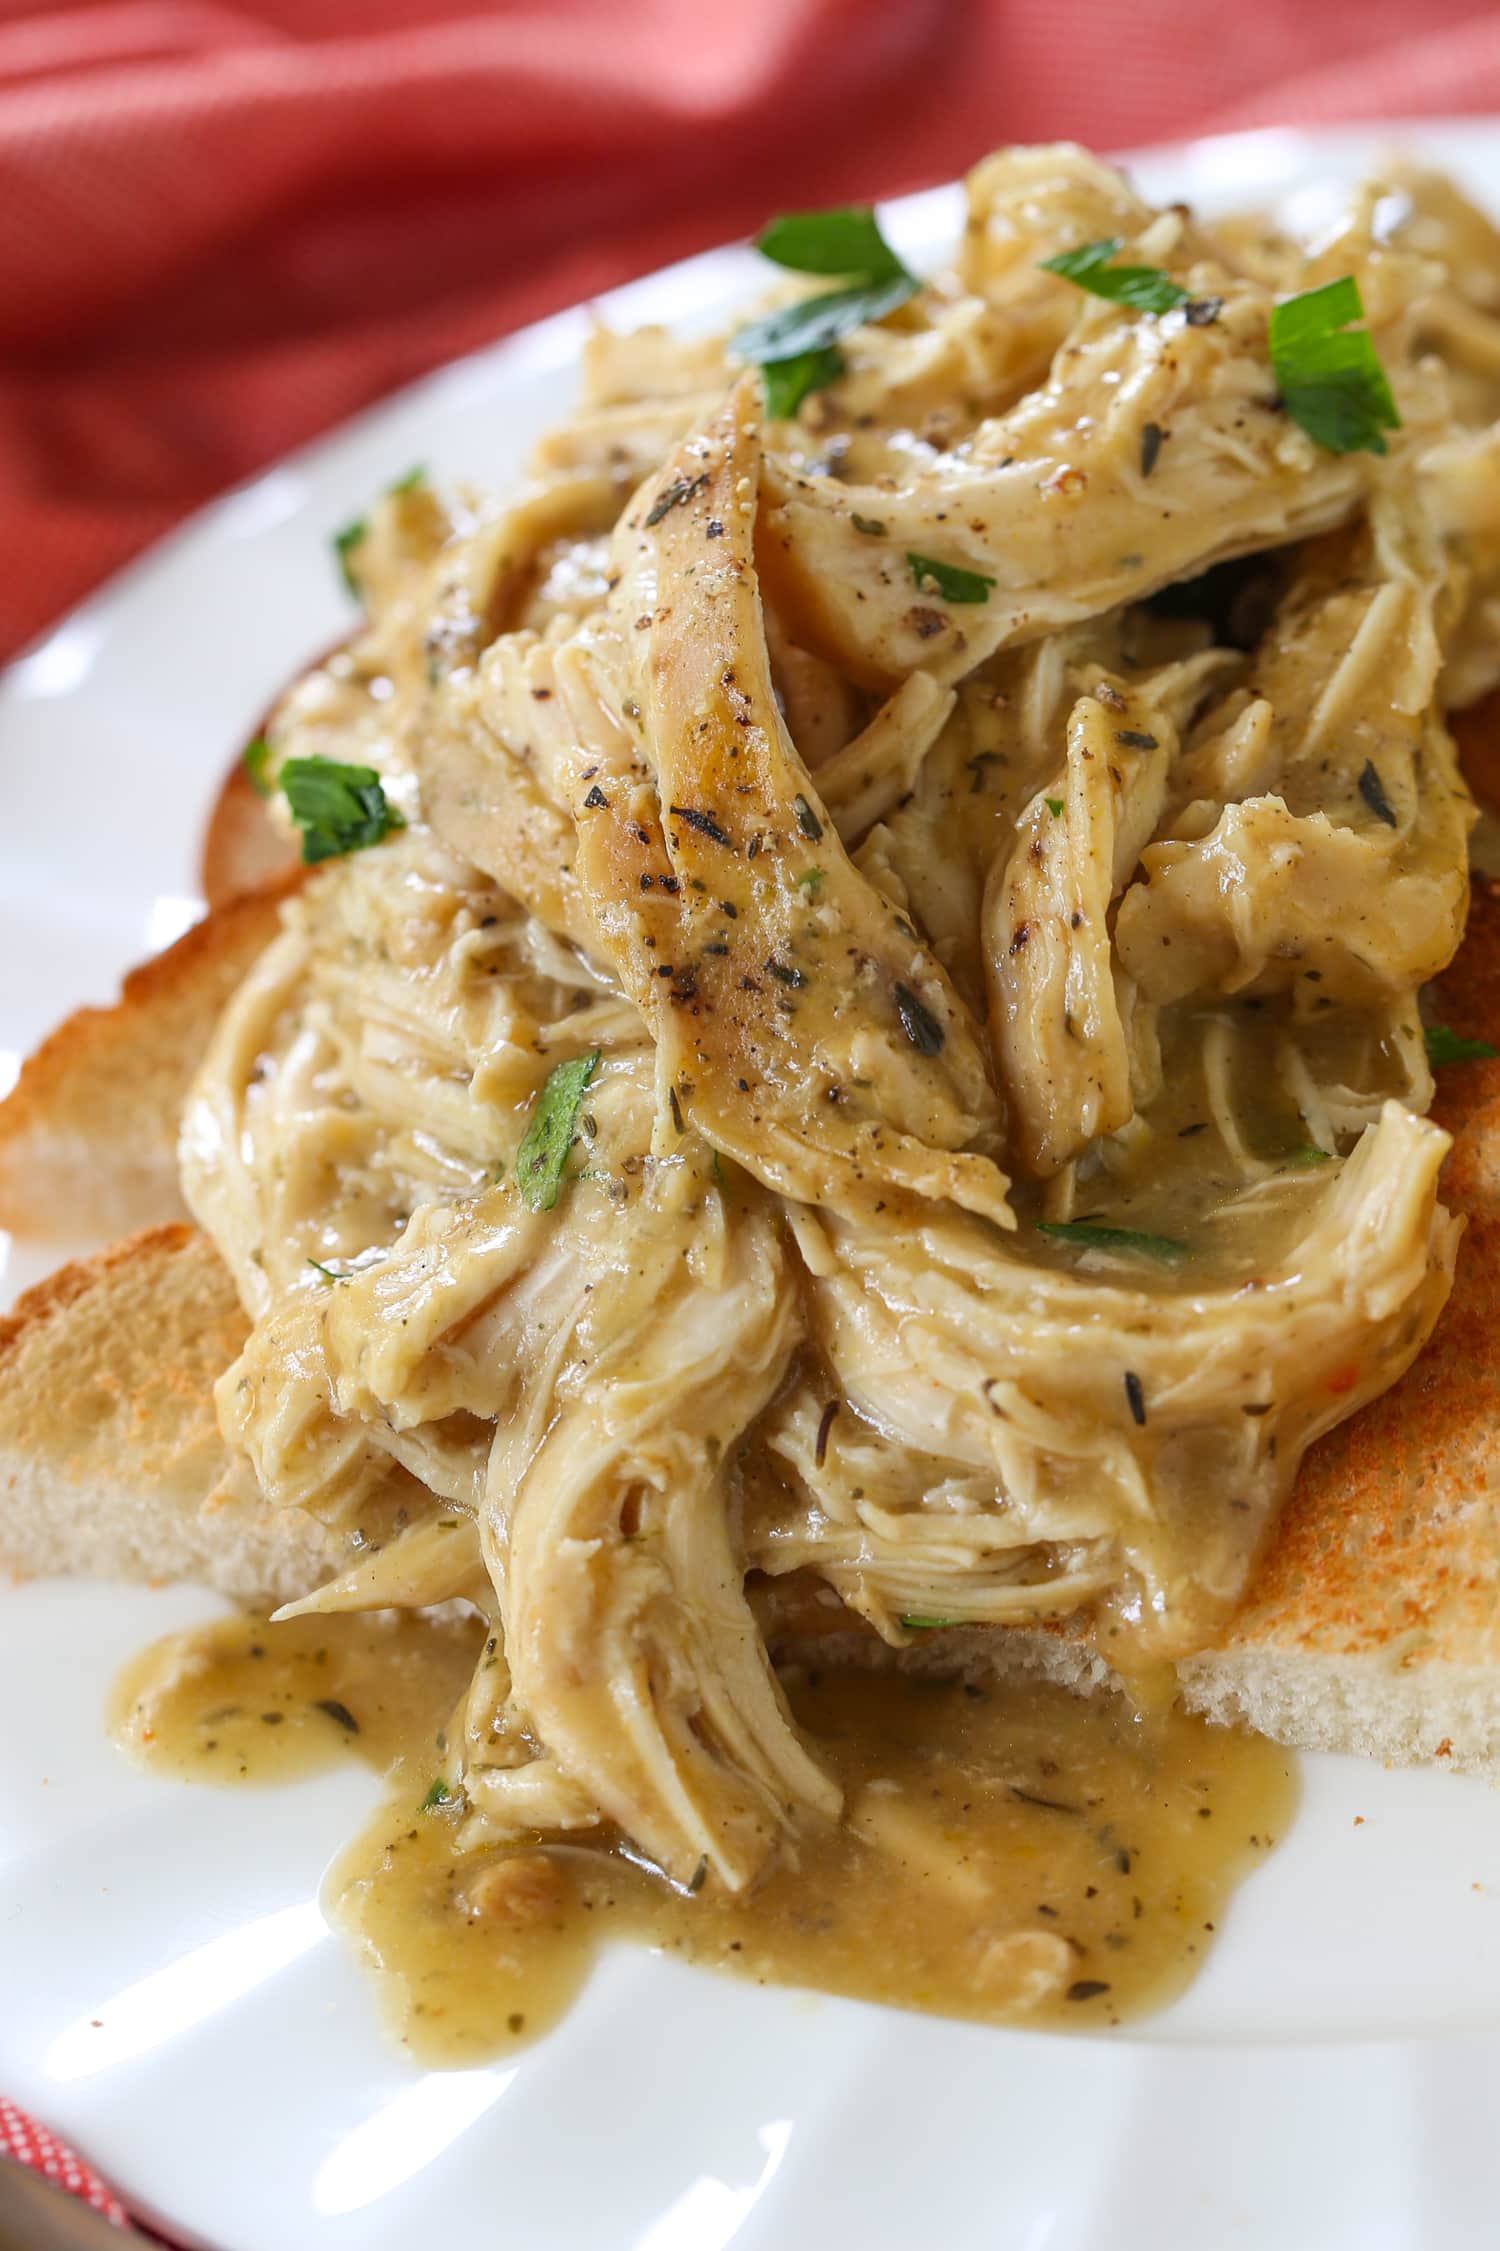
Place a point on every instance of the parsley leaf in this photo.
(254, 758)
(338, 808)
(344, 544)
(354, 535)
(1331, 380)
(549, 1134)
(915, 1624)
(845, 241)
(439, 1794)
(1055, 806)
(796, 347)
(946, 579)
(813, 323)
(789, 382)
(1446, 1046)
(329, 1274)
(1088, 1236)
(1307, 1153)
(1145, 289)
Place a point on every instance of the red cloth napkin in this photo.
(226, 224)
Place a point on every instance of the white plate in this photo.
(169, 1996)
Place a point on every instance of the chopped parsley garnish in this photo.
(1054, 805)
(353, 535)
(1307, 1153)
(344, 543)
(796, 347)
(788, 382)
(254, 758)
(838, 243)
(915, 1624)
(439, 1794)
(338, 808)
(811, 881)
(873, 527)
(1446, 1046)
(1088, 1235)
(1372, 790)
(946, 579)
(549, 1133)
(329, 1274)
(1145, 289)
(918, 1022)
(1331, 381)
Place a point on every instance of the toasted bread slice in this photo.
(109, 1445)
(88, 1135)
(243, 849)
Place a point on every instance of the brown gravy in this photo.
(1011, 1853)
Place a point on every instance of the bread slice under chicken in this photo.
(111, 1462)
(88, 1135)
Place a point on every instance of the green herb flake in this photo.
(840, 242)
(813, 324)
(946, 579)
(916, 1624)
(811, 880)
(1306, 1154)
(796, 347)
(1089, 1236)
(338, 808)
(413, 481)
(872, 526)
(549, 1134)
(1330, 378)
(329, 1273)
(254, 758)
(439, 1794)
(1446, 1046)
(1055, 806)
(344, 543)
(788, 382)
(1145, 289)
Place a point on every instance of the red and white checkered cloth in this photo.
(30, 2144)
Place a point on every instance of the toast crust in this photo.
(244, 852)
(109, 1443)
(88, 1135)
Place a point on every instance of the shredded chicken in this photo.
(994, 1149)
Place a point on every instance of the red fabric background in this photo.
(225, 224)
